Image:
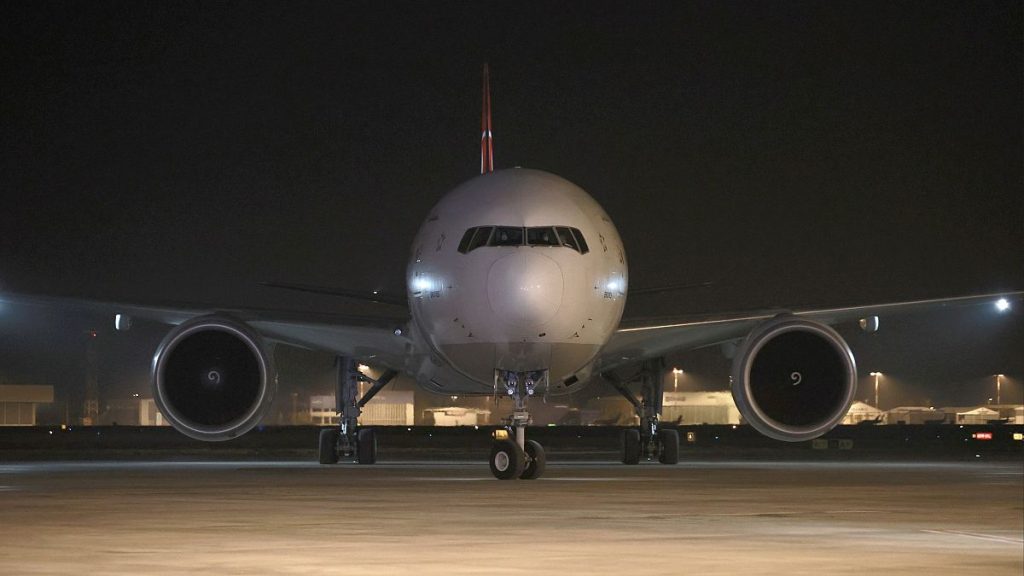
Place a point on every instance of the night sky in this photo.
(794, 153)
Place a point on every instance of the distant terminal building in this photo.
(980, 415)
(455, 416)
(863, 412)
(387, 408)
(688, 408)
(915, 415)
(1009, 413)
(18, 403)
(136, 411)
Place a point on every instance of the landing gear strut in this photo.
(649, 441)
(512, 455)
(348, 440)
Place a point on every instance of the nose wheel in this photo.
(512, 455)
(508, 460)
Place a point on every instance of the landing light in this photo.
(1002, 305)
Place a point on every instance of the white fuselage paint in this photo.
(517, 308)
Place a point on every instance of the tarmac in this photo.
(423, 518)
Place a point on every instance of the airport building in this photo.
(136, 411)
(456, 416)
(387, 408)
(688, 408)
(863, 412)
(18, 403)
(914, 415)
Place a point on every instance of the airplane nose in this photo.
(525, 288)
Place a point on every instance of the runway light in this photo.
(1002, 305)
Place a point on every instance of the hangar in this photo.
(18, 403)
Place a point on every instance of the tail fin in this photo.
(486, 139)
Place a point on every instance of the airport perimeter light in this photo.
(675, 378)
(1002, 305)
(877, 375)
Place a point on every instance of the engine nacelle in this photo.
(793, 379)
(212, 378)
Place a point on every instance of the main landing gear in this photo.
(649, 441)
(512, 455)
(348, 439)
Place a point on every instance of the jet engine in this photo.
(213, 378)
(793, 379)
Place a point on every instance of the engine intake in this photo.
(793, 379)
(212, 378)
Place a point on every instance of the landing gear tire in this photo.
(669, 440)
(366, 446)
(631, 446)
(508, 460)
(536, 461)
(328, 446)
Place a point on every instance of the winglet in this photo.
(486, 140)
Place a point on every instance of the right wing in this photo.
(381, 338)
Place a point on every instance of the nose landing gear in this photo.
(512, 455)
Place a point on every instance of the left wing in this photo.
(642, 339)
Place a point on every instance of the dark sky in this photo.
(795, 153)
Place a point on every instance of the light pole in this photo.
(675, 378)
(999, 388)
(876, 375)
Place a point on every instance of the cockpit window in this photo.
(581, 240)
(565, 238)
(519, 236)
(483, 234)
(507, 236)
(466, 239)
(544, 236)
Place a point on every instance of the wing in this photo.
(381, 338)
(641, 339)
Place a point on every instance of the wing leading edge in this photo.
(642, 339)
(381, 338)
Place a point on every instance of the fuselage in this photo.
(517, 270)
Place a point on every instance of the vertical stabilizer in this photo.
(486, 139)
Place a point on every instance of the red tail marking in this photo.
(486, 139)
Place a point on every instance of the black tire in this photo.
(366, 446)
(328, 447)
(631, 446)
(669, 440)
(536, 461)
(507, 460)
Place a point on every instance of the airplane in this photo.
(515, 285)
